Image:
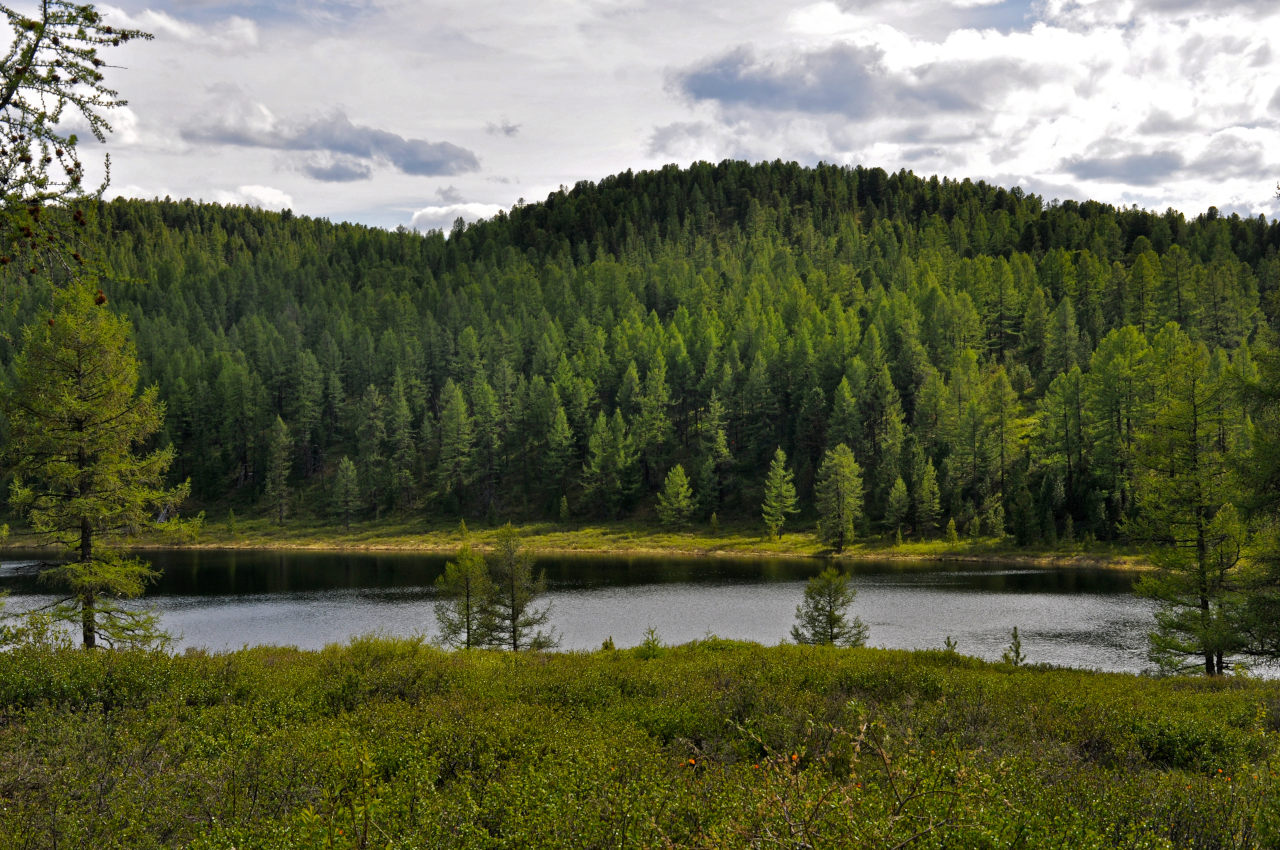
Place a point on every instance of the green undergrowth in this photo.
(392, 743)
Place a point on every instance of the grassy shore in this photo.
(395, 744)
(627, 538)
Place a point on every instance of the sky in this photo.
(416, 112)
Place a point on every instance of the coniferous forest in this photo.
(991, 359)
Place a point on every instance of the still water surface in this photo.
(1072, 616)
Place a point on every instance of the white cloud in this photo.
(231, 34)
(342, 104)
(443, 217)
(266, 197)
(1088, 97)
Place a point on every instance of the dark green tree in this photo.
(823, 616)
(455, 445)
(275, 494)
(346, 491)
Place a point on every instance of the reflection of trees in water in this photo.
(234, 573)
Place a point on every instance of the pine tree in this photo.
(1195, 534)
(838, 493)
(713, 445)
(899, 506)
(404, 454)
(75, 425)
(675, 501)
(779, 495)
(371, 435)
(517, 620)
(276, 492)
(928, 501)
(346, 491)
(466, 615)
(823, 616)
(455, 445)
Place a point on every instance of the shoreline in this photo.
(547, 539)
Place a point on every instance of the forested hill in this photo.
(985, 355)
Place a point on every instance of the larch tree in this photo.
(346, 491)
(899, 506)
(517, 619)
(1259, 618)
(50, 81)
(1184, 514)
(276, 492)
(465, 613)
(823, 616)
(779, 495)
(455, 445)
(838, 493)
(77, 433)
(675, 500)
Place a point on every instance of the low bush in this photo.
(394, 743)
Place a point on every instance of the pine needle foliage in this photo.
(77, 428)
(823, 616)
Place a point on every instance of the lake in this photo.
(1070, 616)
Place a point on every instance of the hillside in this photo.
(988, 357)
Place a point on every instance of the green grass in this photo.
(389, 743)
(634, 537)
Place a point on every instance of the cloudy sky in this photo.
(414, 112)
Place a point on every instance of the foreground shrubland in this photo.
(387, 743)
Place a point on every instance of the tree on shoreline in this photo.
(1186, 516)
(675, 502)
(517, 620)
(839, 496)
(75, 427)
(346, 491)
(823, 616)
(779, 495)
(466, 614)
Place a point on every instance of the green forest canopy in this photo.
(999, 355)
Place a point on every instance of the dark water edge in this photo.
(1072, 616)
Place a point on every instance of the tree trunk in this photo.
(88, 624)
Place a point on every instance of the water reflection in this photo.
(1079, 617)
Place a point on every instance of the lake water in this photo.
(1071, 616)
